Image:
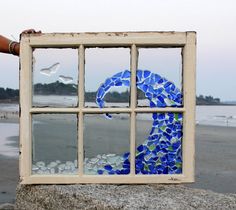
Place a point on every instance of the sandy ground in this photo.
(216, 158)
(8, 179)
(215, 149)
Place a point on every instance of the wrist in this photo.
(17, 49)
(14, 48)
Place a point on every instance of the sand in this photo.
(215, 151)
(8, 179)
(216, 158)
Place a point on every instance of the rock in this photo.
(7, 206)
(95, 196)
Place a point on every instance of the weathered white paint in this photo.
(187, 40)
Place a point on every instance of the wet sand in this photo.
(215, 153)
(8, 179)
(215, 158)
(9, 116)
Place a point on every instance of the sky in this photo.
(213, 20)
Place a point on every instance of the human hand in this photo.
(30, 31)
(17, 45)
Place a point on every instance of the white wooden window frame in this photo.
(133, 40)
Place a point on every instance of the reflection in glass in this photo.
(165, 80)
(101, 64)
(106, 144)
(54, 144)
(55, 77)
(159, 143)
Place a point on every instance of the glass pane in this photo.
(107, 78)
(159, 143)
(107, 144)
(159, 77)
(54, 144)
(55, 77)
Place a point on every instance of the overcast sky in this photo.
(214, 21)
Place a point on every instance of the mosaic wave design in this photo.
(161, 152)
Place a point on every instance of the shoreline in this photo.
(216, 104)
(13, 117)
(9, 116)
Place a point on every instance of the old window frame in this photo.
(133, 40)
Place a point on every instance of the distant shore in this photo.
(9, 101)
(221, 104)
(91, 96)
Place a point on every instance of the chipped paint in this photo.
(134, 40)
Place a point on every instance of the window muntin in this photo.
(133, 111)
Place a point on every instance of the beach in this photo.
(215, 158)
(9, 177)
(215, 149)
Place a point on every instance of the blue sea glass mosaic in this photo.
(161, 152)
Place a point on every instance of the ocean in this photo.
(7, 130)
(216, 115)
(205, 115)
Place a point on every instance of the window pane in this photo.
(106, 144)
(159, 143)
(55, 77)
(54, 144)
(107, 77)
(159, 77)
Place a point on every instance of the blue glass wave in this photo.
(161, 152)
